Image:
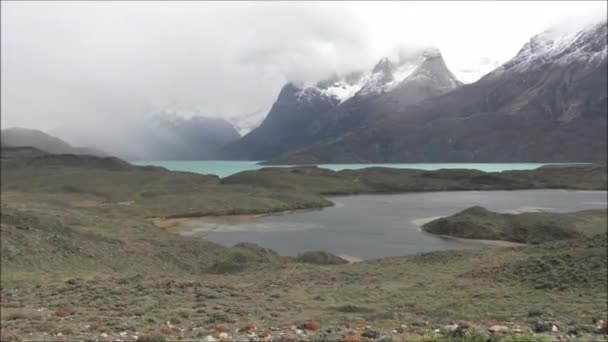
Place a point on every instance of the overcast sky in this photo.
(89, 63)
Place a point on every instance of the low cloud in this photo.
(90, 65)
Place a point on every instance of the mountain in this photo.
(246, 123)
(303, 115)
(196, 138)
(546, 104)
(164, 135)
(17, 136)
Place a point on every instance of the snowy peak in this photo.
(587, 46)
(384, 77)
(435, 70)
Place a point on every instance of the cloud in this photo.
(87, 64)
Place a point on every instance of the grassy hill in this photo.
(534, 228)
(81, 259)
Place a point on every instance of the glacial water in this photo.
(375, 226)
(225, 168)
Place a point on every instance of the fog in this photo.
(99, 68)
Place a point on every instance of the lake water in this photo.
(375, 226)
(224, 168)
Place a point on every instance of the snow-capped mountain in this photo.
(547, 104)
(382, 78)
(560, 48)
(304, 114)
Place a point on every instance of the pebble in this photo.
(209, 338)
(224, 336)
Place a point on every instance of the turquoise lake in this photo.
(224, 168)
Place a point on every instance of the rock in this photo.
(263, 334)
(543, 327)
(224, 336)
(554, 328)
(498, 328)
(370, 333)
(209, 338)
(602, 327)
(448, 329)
(402, 329)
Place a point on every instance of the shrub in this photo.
(154, 337)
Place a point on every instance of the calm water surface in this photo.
(227, 168)
(374, 226)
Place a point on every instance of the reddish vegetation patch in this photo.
(311, 325)
(420, 312)
(248, 327)
(95, 326)
(351, 338)
(8, 334)
(63, 312)
(219, 327)
(263, 334)
(465, 324)
(169, 331)
(357, 323)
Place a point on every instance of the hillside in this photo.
(532, 228)
(83, 260)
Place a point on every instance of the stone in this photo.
(498, 328)
(370, 333)
(448, 329)
(543, 327)
(209, 338)
(224, 336)
(402, 329)
(602, 327)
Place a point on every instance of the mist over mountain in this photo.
(303, 115)
(161, 136)
(548, 103)
(22, 137)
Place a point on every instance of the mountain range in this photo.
(547, 104)
(160, 136)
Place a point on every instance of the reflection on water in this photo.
(374, 226)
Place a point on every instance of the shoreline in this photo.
(494, 243)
